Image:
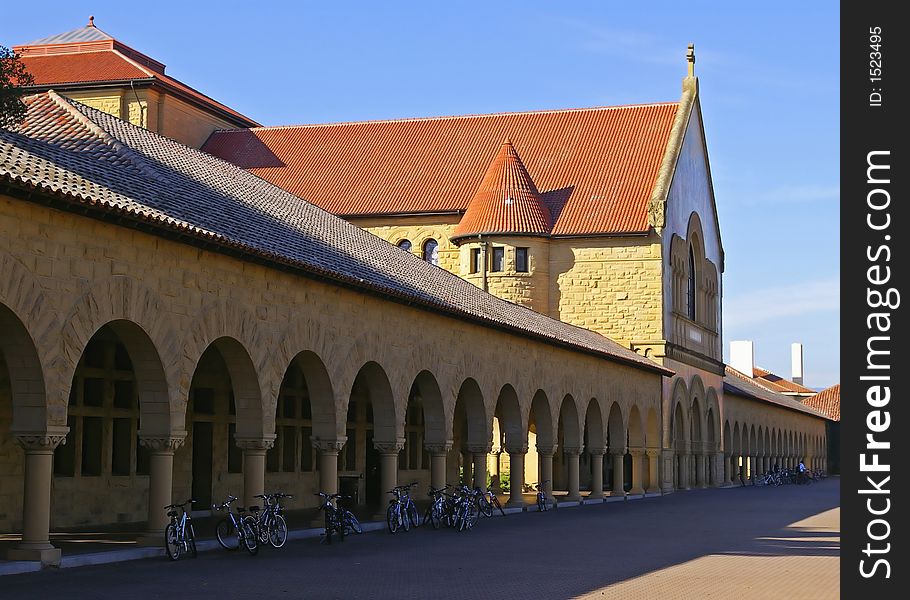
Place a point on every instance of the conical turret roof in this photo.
(506, 201)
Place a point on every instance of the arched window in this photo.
(431, 251)
(691, 290)
(405, 245)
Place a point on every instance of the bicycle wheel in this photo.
(351, 521)
(340, 524)
(413, 516)
(190, 535)
(263, 528)
(433, 516)
(391, 518)
(250, 540)
(278, 533)
(405, 518)
(484, 506)
(473, 514)
(227, 534)
(171, 545)
(499, 506)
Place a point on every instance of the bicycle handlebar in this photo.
(182, 504)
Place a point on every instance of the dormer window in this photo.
(431, 251)
(405, 245)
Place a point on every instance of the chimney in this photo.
(742, 356)
(796, 362)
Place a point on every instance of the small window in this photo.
(475, 260)
(499, 254)
(690, 296)
(92, 391)
(123, 394)
(431, 251)
(521, 260)
(405, 245)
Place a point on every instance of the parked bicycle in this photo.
(234, 531)
(337, 519)
(543, 503)
(487, 501)
(465, 511)
(402, 512)
(179, 535)
(437, 512)
(271, 527)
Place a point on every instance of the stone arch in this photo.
(679, 430)
(511, 424)
(26, 375)
(470, 409)
(711, 442)
(595, 438)
(321, 395)
(616, 430)
(239, 335)
(373, 382)
(679, 409)
(737, 440)
(436, 424)
(29, 324)
(569, 424)
(136, 315)
(636, 435)
(541, 418)
(652, 429)
(728, 440)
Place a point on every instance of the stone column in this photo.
(468, 468)
(597, 474)
(36, 507)
(766, 468)
(701, 470)
(683, 468)
(728, 470)
(388, 469)
(571, 454)
(480, 452)
(438, 453)
(618, 490)
(545, 469)
(638, 461)
(254, 449)
(161, 482)
(328, 462)
(669, 459)
(516, 474)
(653, 471)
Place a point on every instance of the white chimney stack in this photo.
(742, 356)
(796, 362)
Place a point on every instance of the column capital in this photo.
(389, 447)
(42, 441)
(572, 450)
(637, 451)
(328, 445)
(438, 447)
(259, 443)
(596, 451)
(618, 451)
(652, 452)
(162, 443)
(546, 450)
(478, 448)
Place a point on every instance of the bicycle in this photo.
(543, 503)
(271, 526)
(437, 512)
(179, 535)
(337, 520)
(401, 508)
(234, 531)
(466, 509)
(487, 502)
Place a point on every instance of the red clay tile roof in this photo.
(506, 201)
(595, 167)
(826, 401)
(89, 161)
(740, 384)
(55, 63)
(777, 383)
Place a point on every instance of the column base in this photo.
(636, 491)
(49, 557)
(515, 504)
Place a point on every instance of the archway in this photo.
(635, 456)
(541, 442)
(595, 448)
(569, 448)
(510, 436)
(471, 434)
(378, 434)
(617, 440)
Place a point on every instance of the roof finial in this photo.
(91, 21)
(690, 58)
(508, 141)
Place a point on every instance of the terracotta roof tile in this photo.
(595, 168)
(778, 383)
(85, 157)
(506, 201)
(826, 401)
(84, 67)
(740, 384)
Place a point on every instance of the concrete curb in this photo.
(209, 545)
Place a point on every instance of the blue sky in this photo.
(769, 85)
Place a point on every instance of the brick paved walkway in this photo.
(739, 543)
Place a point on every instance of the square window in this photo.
(92, 391)
(123, 394)
(521, 260)
(475, 260)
